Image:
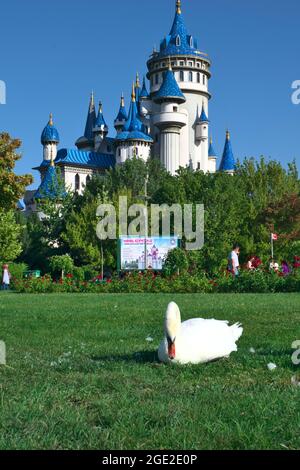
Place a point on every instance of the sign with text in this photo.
(133, 257)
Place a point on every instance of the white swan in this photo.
(196, 341)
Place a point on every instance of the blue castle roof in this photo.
(133, 128)
(100, 121)
(228, 161)
(169, 89)
(179, 41)
(211, 150)
(90, 120)
(90, 159)
(50, 133)
(50, 188)
(203, 116)
(122, 115)
(144, 93)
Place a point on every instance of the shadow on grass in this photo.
(140, 357)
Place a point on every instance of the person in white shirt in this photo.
(274, 266)
(5, 277)
(233, 260)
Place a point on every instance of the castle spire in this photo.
(133, 94)
(137, 81)
(51, 119)
(178, 7)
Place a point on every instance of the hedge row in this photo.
(257, 282)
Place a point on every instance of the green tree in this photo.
(10, 233)
(12, 186)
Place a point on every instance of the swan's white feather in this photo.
(200, 341)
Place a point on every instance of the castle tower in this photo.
(191, 69)
(212, 158)
(132, 141)
(86, 142)
(121, 117)
(49, 140)
(100, 129)
(228, 161)
(169, 120)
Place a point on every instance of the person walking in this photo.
(233, 260)
(5, 277)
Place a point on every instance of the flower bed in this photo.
(257, 281)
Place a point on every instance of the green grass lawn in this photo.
(81, 375)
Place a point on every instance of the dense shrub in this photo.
(247, 282)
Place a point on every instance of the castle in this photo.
(169, 122)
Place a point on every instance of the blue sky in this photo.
(54, 53)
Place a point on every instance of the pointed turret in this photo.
(169, 90)
(144, 95)
(211, 150)
(132, 141)
(228, 160)
(50, 187)
(100, 129)
(87, 142)
(137, 88)
(121, 117)
(202, 123)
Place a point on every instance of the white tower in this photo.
(191, 69)
(169, 120)
(50, 140)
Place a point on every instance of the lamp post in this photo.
(146, 219)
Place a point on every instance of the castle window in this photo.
(156, 79)
(198, 166)
(181, 76)
(191, 64)
(191, 76)
(203, 79)
(198, 65)
(178, 41)
(119, 152)
(77, 182)
(198, 77)
(182, 63)
(88, 179)
(156, 138)
(175, 109)
(191, 41)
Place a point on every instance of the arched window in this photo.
(191, 76)
(198, 77)
(178, 41)
(77, 182)
(181, 76)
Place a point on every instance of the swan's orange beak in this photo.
(171, 351)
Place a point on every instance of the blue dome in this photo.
(228, 161)
(50, 133)
(169, 89)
